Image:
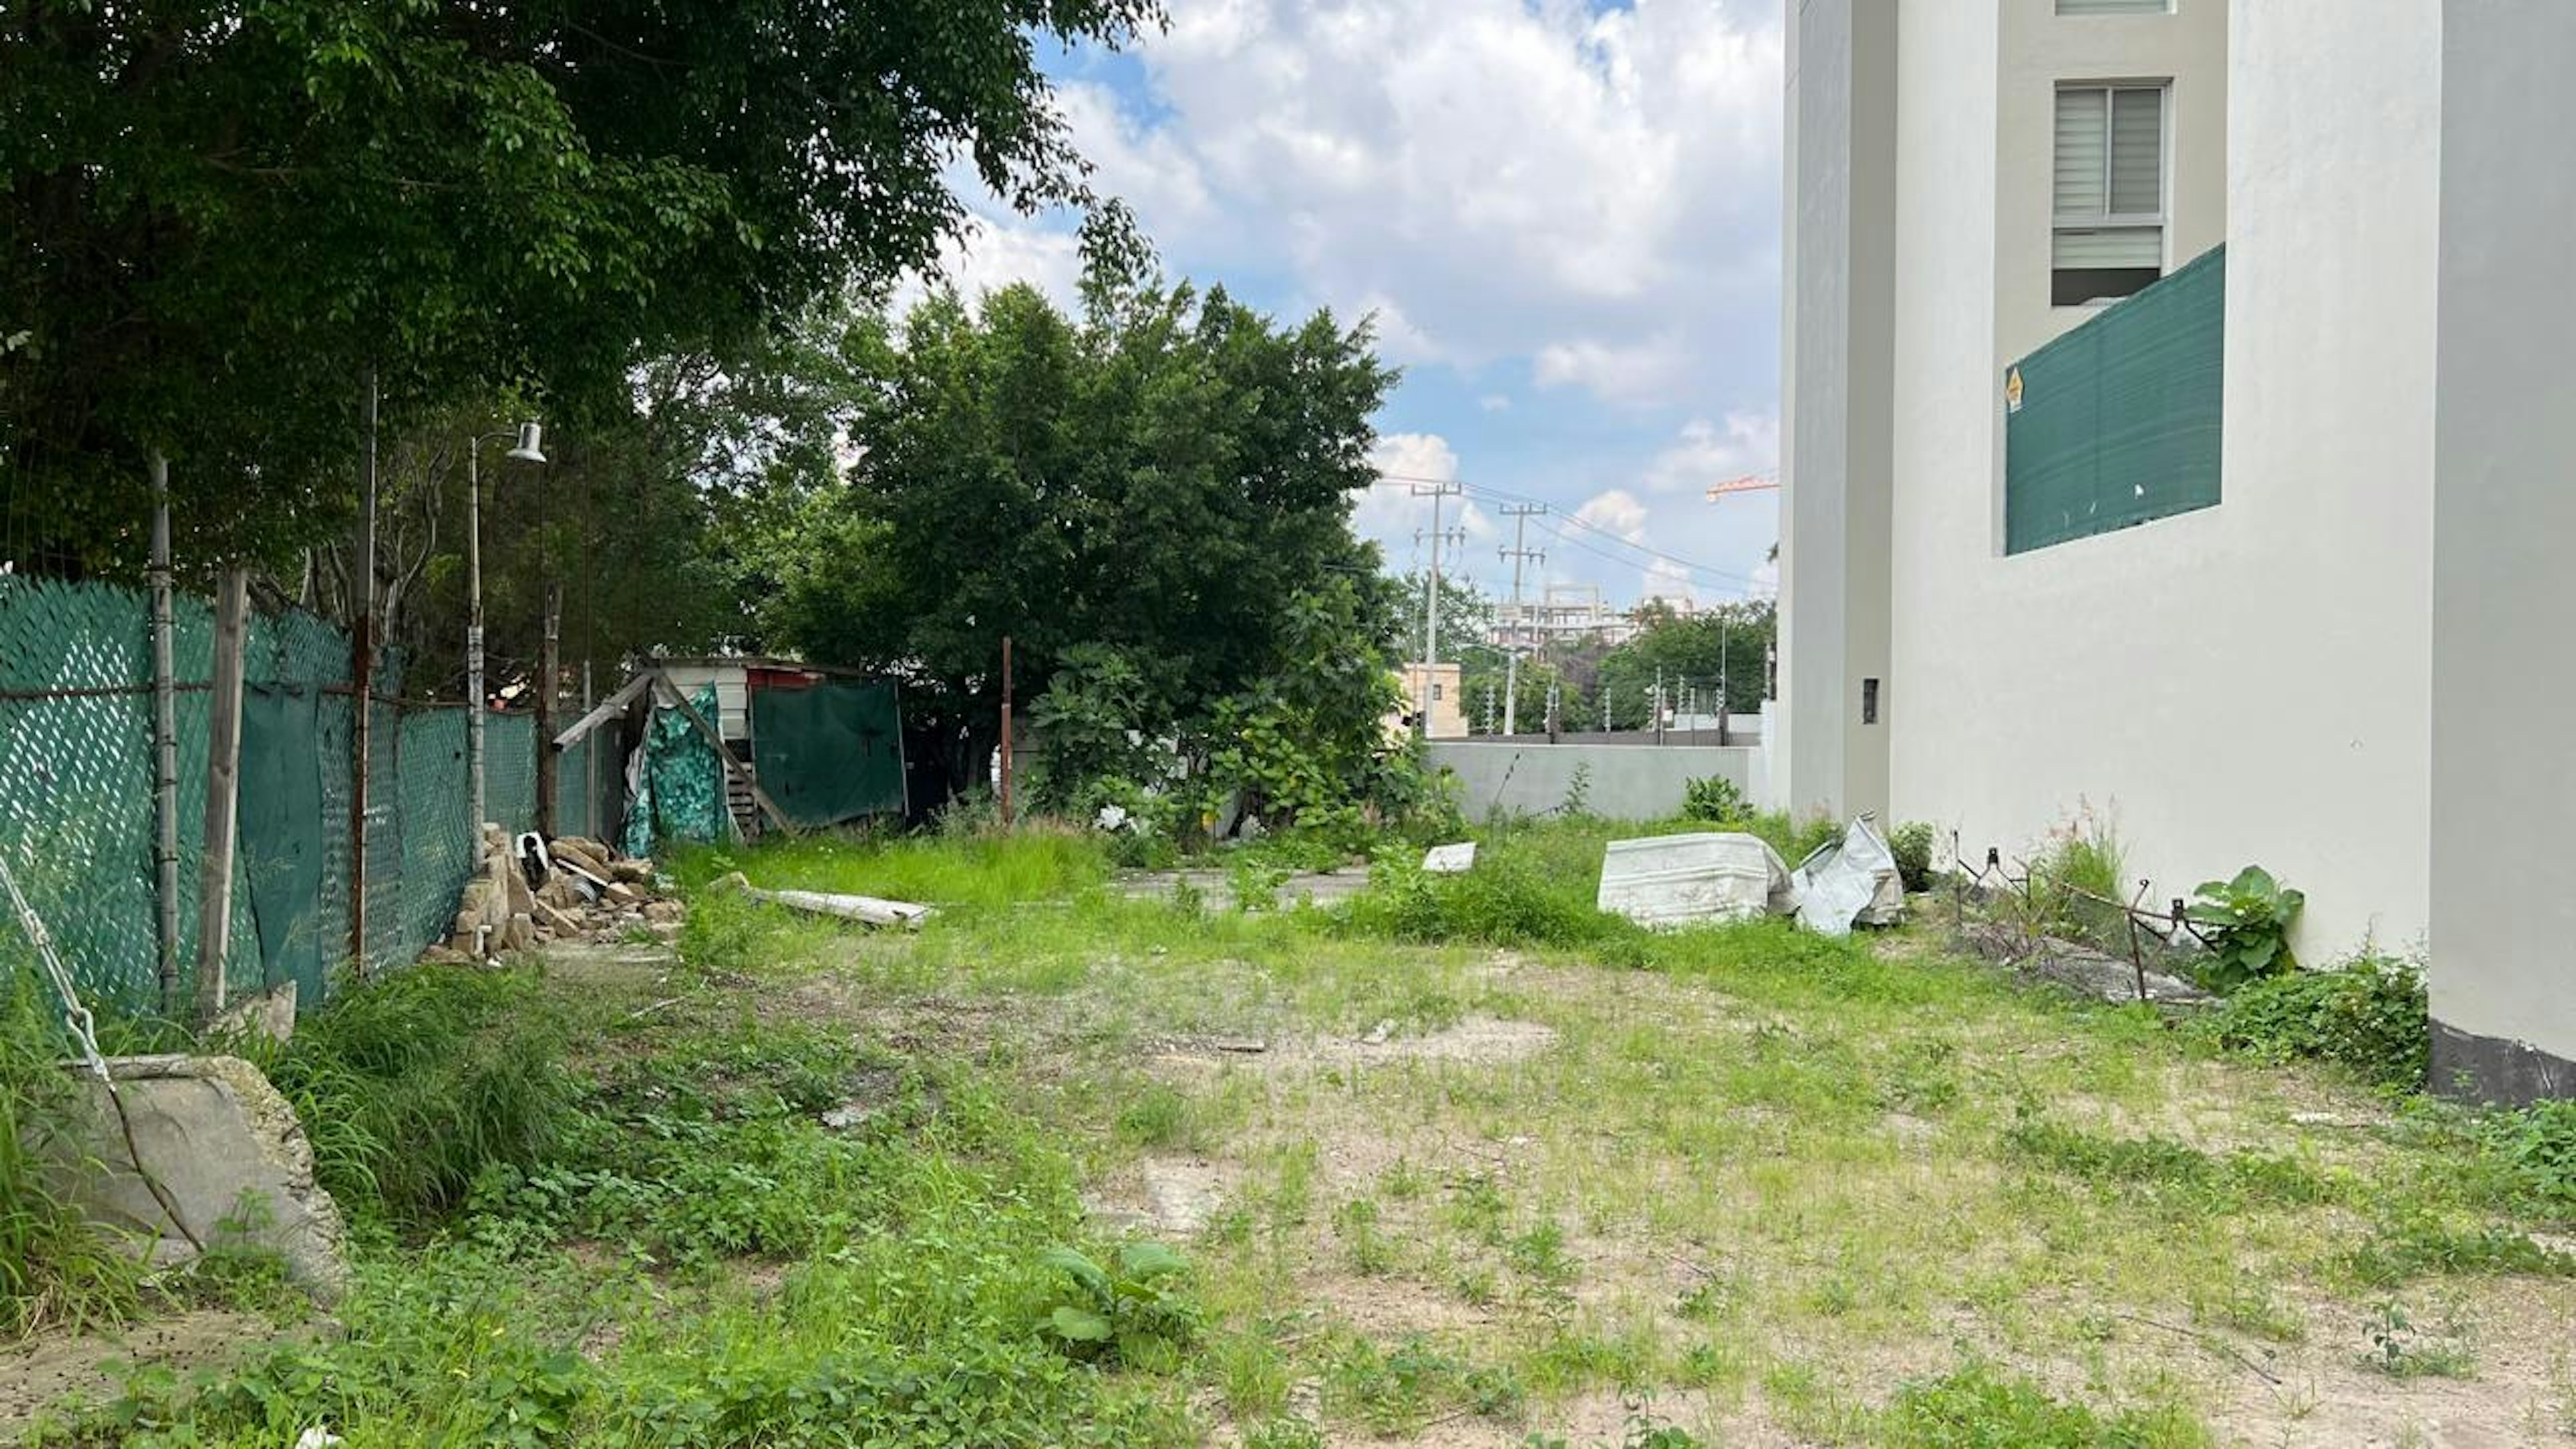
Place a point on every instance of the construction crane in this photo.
(1749, 483)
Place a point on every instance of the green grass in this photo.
(1749, 1175)
(55, 1269)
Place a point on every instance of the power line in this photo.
(1485, 491)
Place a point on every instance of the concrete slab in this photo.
(226, 1149)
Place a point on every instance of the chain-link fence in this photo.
(76, 798)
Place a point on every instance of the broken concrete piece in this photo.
(269, 1014)
(225, 1148)
(1450, 859)
(663, 910)
(630, 872)
(1688, 880)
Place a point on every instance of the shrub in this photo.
(2367, 1016)
(411, 1086)
(1507, 900)
(1912, 845)
(1714, 798)
(2253, 914)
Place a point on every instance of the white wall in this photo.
(2504, 769)
(2244, 683)
(1626, 782)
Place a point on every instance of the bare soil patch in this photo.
(43, 1371)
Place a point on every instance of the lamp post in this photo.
(531, 436)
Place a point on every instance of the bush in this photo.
(411, 1086)
(2367, 1016)
(1714, 798)
(2253, 914)
(1912, 845)
(1507, 900)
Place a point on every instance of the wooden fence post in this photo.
(223, 796)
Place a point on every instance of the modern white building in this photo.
(2269, 563)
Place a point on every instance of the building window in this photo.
(1435, 691)
(2115, 7)
(2110, 192)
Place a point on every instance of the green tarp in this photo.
(2117, 422)
(682, 794)
(829, 752)
(281, 845)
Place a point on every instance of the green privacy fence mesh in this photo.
(76, 799)
(2117, 422)
(829, 752)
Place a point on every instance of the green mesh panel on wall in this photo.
(2117, 422)
(830, 752)
(510, 770)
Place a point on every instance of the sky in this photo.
(1563, 216)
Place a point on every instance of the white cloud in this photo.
(1655, 370)
(1494, 402)
(1707, 453)
(1509, 178)
(993, 253)
(1392, 512)
(1616, 511)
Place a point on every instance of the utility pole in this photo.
(1519, 513)
(1431, 596)
(1555, 695)
(1656, 699)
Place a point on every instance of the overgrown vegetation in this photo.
(55, 1269)
(823, 1185)
(2367, 1016)
(415, 1087)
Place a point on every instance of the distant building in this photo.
(2177, 419)
(1572, 614)
(1448, 718)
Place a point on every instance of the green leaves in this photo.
(2254, 915)
(1136, 1310)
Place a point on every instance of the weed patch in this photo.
(2367, 1017)
(1976, 1408)
(412, 1087)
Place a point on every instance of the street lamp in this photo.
(531, 436)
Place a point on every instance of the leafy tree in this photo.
(1728, 642)
(221, 214)
(1160, 476)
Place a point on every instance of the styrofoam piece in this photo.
(1685, 880)
(1449, 859)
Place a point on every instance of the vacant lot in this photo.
(1456, 1163)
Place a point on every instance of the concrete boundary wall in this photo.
(1627, 782)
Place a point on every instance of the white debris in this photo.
(1450, 859)
(318, 1437)
(1683, 880)
(1855, 882)
(1113, 817)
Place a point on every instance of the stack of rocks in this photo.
(524, 893)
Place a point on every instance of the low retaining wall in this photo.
(1627, 782)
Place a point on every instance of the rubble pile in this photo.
(529, 891)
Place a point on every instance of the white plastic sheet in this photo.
(1855, 882)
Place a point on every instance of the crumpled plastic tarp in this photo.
(679, 793)
(1852, 883)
